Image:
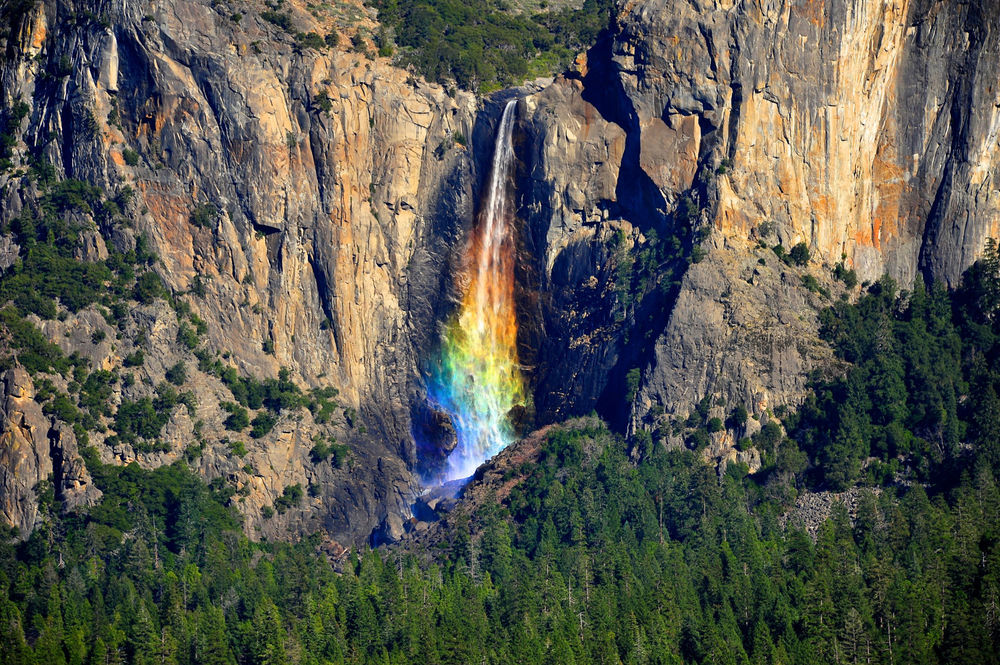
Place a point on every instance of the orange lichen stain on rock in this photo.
(994, 229)
(116, 157)
(171, 213)
(811, 10)
(820, 204)
(151, 120)
(863, 236)
(888, 180)
(730, 220)
(39, 31)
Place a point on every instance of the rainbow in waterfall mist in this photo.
(477, 380)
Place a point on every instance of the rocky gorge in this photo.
(308, 206)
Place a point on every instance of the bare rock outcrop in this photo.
(865, 130)
(36, 454)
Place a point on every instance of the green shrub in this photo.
(177, 374)
(71, 194)
(698, 439)
(737, 418)
(319, 452)
(198, 286)
(130, 156)
(238, 419)
(134, 359)
(204, 215)
(632, 381)
(200, 326)
(322, 450)
(811, 283)
(9, 131)
(275, 394)
(139, 422)
(62, 407)
(148, 287)
(291, 496)
(143, 254)
(45, 273)
(768, 438)
(96, 392)
(714, 425)
(282, 20)
(323, 102)
(358, 44)
(33, 351)
(321, 404)
(484, 45)
(310, 40)
(262, 424)
(187, 336)
(799, 254)
(383, 42)
(848, 277)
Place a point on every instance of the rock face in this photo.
(309, 206)
(35, 454)
(867, 130)
(741, 331)
(311, 197)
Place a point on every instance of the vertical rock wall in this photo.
(866, 129)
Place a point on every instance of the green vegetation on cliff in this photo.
(485, 44)
(918, 401)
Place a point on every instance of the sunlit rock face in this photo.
(343, 203)
(336, 193)
(866, 130)
(862, 128)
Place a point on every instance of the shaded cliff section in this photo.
(304, 203)
(866, 130)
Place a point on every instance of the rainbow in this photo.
(477, 379)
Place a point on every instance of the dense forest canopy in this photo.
(592, 557)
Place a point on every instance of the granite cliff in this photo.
(866, 130)
(306, 204)
(298, 188)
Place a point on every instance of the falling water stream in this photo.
(477, 379)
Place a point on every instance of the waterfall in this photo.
(476, 380)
